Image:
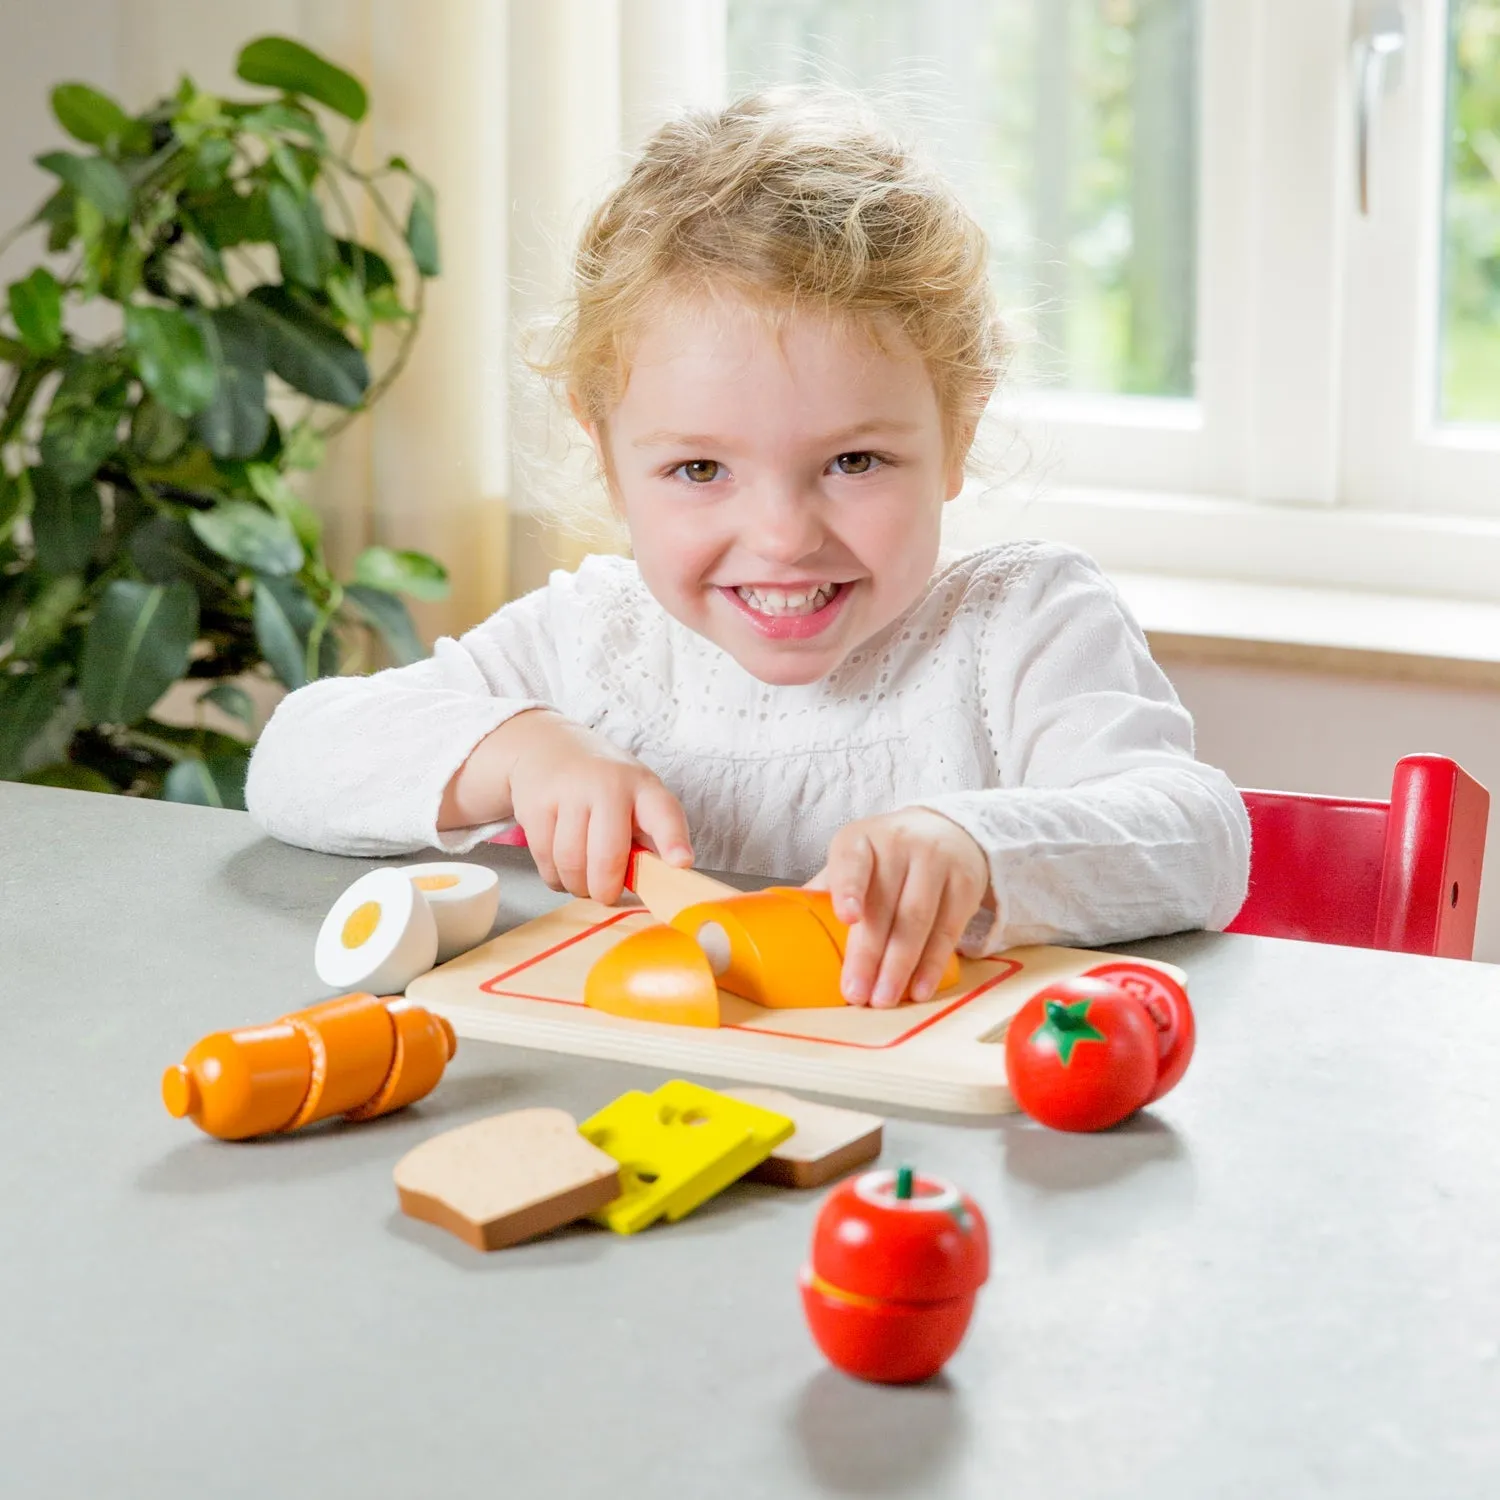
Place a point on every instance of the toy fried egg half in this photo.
(379, 936)
(464, 900)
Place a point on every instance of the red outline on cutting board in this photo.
(490, 988)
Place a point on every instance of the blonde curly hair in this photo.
(795, 199)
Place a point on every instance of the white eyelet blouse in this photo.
(1017, 696)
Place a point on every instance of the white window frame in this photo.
(1300, 459)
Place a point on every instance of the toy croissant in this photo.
(357, 1055)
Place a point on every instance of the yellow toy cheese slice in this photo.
(656, 974)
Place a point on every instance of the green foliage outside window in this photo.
(231, 307)
(1471, 311)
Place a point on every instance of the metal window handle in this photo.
(1378, 38)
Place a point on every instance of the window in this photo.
(1236, 370)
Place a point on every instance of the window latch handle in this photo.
(1377, 40)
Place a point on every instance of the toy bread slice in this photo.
(665, 889)
(827, 1142)
(506, 1178)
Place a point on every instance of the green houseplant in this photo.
(149, 532)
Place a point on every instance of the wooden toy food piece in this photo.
(656, 974)
(1086, 1053)
(378, 936)
(897, 1261)
(464, 899)
(820, 903)
(827, 1142)
(507, 1178)
(766, 947)
(356, 1055)
(677, 1147)
(665, 889)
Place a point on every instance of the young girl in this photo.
(780, 344)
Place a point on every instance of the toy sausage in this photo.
(357, 1055)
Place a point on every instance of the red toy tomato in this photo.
(1170, 1010)
(897, 1262)
(1081, 1054)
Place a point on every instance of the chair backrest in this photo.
(1401, 875)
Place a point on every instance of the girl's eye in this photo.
(855, 463)
(699, 470)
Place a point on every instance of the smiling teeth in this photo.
(774, 602)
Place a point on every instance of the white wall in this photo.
(1314, 733)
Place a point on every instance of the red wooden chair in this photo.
(1401, 875)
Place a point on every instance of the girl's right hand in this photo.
(581, 801)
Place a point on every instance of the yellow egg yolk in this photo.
(434, 882)
(360, 924)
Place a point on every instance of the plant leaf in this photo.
(156, 434)
(82, 423)
(215, 781)
(421, 229)
(284, 617)
(233, 700)
(48, 616)
(306, 350)
(71, 778)
(301, 240)
(66, 522)
(172, 357)
(387, 614)
(165, 549)
(87, 115)
(27, 704)
(211, 162)
(36, 307)
(15, 492)
(271, 486)
(279, 117)
(411, 573)
(250, 536)
(137, 647)
(279, 63)
(235, 218)
(94, 179)
(365, 265)
(235, 423)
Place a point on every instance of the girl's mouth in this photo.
(789, 614)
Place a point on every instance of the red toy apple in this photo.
(897, 1261)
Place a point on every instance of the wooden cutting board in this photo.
(525, 988)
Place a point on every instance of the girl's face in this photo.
(783, 495)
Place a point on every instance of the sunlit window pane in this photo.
(1470, 389)
(1071, 128)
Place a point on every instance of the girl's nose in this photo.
(782, 524)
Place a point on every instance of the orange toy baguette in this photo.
(821, 905)
(781, 947)
(356, 1055)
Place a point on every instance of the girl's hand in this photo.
(907, 883)
(581, 801)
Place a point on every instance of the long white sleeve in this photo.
(1103, 826)
(358, 765)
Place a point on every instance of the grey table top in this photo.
(1285, 1281)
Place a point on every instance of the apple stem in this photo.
(903, 1183)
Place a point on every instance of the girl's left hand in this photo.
(907, 883)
